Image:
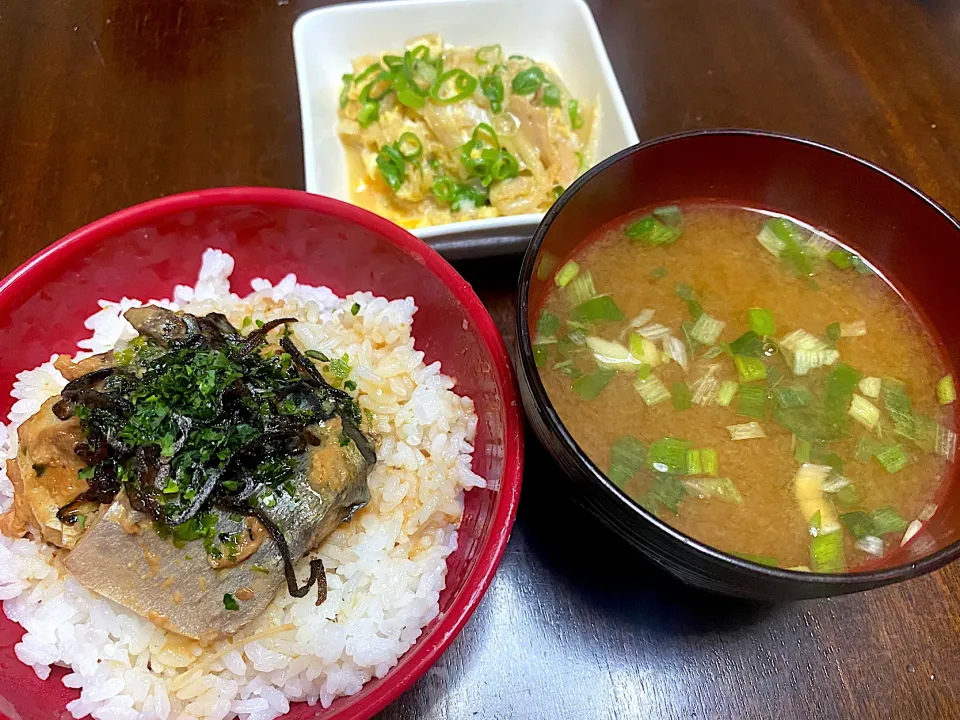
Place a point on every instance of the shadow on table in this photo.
(605, 572)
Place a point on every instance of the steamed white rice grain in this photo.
(385, 569)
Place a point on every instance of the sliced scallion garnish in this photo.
(368, 114)
(567, 273)
(870, 387)
(864, 412)
(551, 95)
(611, 354)
(833, 332)
(893, 458)
(753, 401)
(704, 390)
(792, 397)
(651, 390)
(575, 115)
(581, 288)
(726, 392)
(650, 231)
(541, 354)
(719, 488)
(711, 464)
(627, 457)
(748, 345)
(762, 322)
(870, 544)
(746, 431)
(858, 523)
(694, 462)
(548, 325)
(857, 328)
(887, 520)
(946, 390)
(644, 350)
(749, 369)
(590, 386)
(707, 329)
(391, 165)
(669, 214)
(668, 455)
(682, 398)
(409, 146)
(345, 91)
(758, 559)
(491, 86)
(676, 350)
(808, 489)
(489, 54)
(826, 552)
(527, 82)
(463, 86)
(601, 308)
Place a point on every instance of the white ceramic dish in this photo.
(561, 33)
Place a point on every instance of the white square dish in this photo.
(561, 33)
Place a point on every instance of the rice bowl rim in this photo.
(34, 273)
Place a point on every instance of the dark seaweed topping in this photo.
(198, 416)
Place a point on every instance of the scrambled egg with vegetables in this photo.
(439, 134)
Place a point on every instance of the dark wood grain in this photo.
(105, 103)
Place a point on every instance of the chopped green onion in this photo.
(753, 399)
(568, 368)
(548, 325)
(370, 70)
(444, 189)
(748, 345)
(826, 552)
(711, 464)
(946, 390)
(668, 455)
(230, 602)
(548, 261)
(858, 523)
(600, 308)
(887, 520)
(666, 490)
(946, 442)
(792, 397)
(463, 86)
(783, 235)
(864, 412)
(860, 266)
(670, 214)
(801, 452)
(384, 81)
(345, 92)
(582, 288)
(576, 117)
(355, 308)
(808, 486)
(758, 559)
(870, 387)
(651, 389)
(590, 386)
(541, 354)
(489, 54)
(658, 273)
(746, 431)
(171, 487)
(761, 322)
(867, 447)
(840, 258)
(644, 350)
(728, 389)
(316, 355)
(491, 86)
(551, 95)
(627, 457)
(611, 354)
(368, 114)
(842, 382)
(651, 231)
(707, 329)
(808, 351)
(720, 488)
(870, 544)
(567, 273)
(912, 529)
(833, 332)
(848, 496)
(857, 328)
(676, 350)
(682, 399)
(705, 388)
(694, 462)
(893, 458)
(527, 82)
(391, 165)
(643, 371)
(409, 146)
(749, 368)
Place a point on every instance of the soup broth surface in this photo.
(834, 468)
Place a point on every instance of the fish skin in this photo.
(144, 571)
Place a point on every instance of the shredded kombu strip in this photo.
(196, 416)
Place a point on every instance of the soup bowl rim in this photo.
(548, 414)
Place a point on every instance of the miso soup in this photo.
(751, 382)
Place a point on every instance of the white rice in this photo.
(385, 569)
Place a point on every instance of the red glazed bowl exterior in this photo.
(911, 240)
(144, 251)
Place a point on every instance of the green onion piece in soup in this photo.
(887, 520)
(718, 488)
(650, 231)
(602, 308)
(668, 455)
(669, 214)
(753, 401)
(749, 369)
(651, 390)
(590, 386)
(666, 491)
(893, 458)
(491, 87)
(567, 273)
(727, 391)
(758, 559)
(369, 113)
(682, 399)
(946, 390)
(551, 95)
(391, 165)
(711, 465)
(575, 115)
(694, 462)
(748, 345)
(627, 457)
(762, 322)
(826, 552)
(463, 85)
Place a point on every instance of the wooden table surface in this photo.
(106, 103)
